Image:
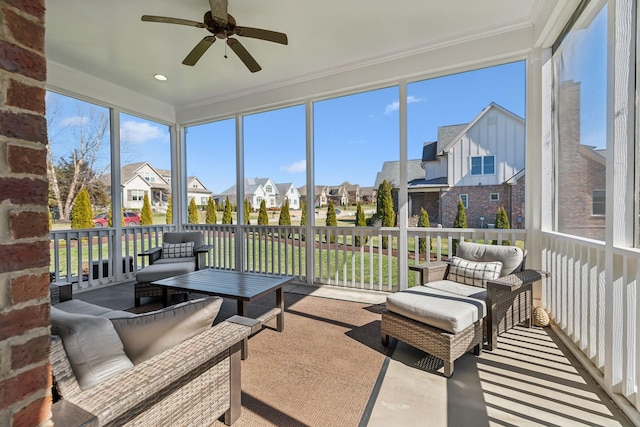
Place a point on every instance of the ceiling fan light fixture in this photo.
(160, 77)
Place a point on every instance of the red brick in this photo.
(26, 97)
(32, 352)
(27, 224)
(30, 127)
(24, 30)
(21, 386)
(22, 256)
(27, 160)
(16, 59)
(34, 8)
(24, 191)
(17, 322)
(29, 287)
(34, 414)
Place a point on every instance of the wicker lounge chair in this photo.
(415, 316)
(161, 266)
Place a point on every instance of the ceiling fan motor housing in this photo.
(217, 28)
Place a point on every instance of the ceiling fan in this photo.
(222, 25)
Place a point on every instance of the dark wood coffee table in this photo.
(243, 287)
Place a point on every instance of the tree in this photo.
(169, 215)
(226, 216)
(285, 217)
(146, 217)
(69, 173)
(331, 221)
(423, 221)
(502, 221)
(82, 213)
(459, 222)
(385, 212)
(263, 217)
(360, 222)
(110, 217)
(211, 212)
(247, 212)
(193, 212)
(303, 217)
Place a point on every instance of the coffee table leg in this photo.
(280, 305)
(243, 309)
(166, 297)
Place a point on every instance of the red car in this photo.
(102, 220)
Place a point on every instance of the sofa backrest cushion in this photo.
(93, 347)
(511, 257)
(473, 273)
(151, 333)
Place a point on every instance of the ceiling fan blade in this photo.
(244, 55)
(199, 50)
(219, 11)
(259, 33)
(168, 20)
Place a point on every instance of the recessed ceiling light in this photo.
(160, 77)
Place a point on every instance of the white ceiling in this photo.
(107, 39)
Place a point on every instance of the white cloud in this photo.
(138, 132)
(356, 142)
(73, 121)
(394, 106)
(295, 167)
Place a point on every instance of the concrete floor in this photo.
(530, 380)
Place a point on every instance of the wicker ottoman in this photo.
(443, 325)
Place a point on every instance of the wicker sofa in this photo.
(192, 383)
(452, 312)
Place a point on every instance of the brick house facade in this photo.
(25, 379)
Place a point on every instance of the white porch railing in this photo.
(352, 257)
(576, 296)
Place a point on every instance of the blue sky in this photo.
(353, 135)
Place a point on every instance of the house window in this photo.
(204, 201)
(494, 197)
(268, 189)
(259, 200)
(598, 198)
(135, 195)
(483, 165)
(149, 176)
(465, 200)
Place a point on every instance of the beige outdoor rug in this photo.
(321, 371)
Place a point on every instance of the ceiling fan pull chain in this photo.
(225, 50)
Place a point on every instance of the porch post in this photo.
(179, 175)
(239, 235)
(116, 195)
(310, 198)
(403, 216)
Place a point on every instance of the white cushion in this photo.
(93, 347)
(458, 289)
(472, 272)
(148, 334)
(440, 309)
(159, 270)
(177, 250)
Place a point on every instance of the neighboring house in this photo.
(368, 194)
(197, 191)
(258, 189)
(338, 195)
(138, 179)
(354, 192)
(480, 162)
(391, 173)
(290, 192)
(141, 178)
(321, 195)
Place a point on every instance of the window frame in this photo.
(497, 199)
(603, 202)
(483, 165)
(465, 200)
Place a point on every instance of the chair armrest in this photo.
(125, 391)
(431, 272)
(153, 254)
(202, 249)
(514, 281)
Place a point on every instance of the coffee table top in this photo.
(226, 283)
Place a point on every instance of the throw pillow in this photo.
(92, 345)
(148, 334)
(472, 272)
(177, 250)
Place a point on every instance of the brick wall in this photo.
(479, 204)
(24, 244)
